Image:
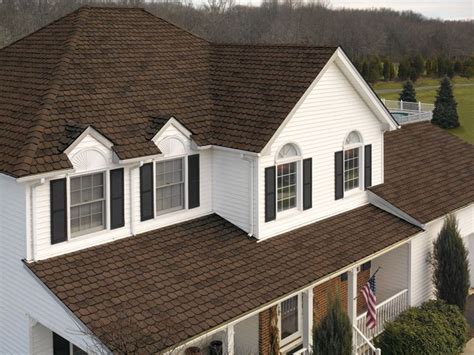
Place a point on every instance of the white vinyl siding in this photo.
(421, 270)
(231, 183)
(22, 296)
(319, 127)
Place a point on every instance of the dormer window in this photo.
(352, 160)
(87, 204)
(287, 178)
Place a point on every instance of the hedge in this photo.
(433, 328)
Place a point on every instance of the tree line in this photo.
(400, 38)
(373, 68)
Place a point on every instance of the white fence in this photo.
(386, 311)
(408, 106)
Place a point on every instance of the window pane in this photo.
(170, 185)
(86, 215)
(289, 317)
(86, 181)
(75, 184)
(351, 169)
(287, 186)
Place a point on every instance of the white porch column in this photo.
(352, 295)
(410, 274)
(308, 319)
(229, 340)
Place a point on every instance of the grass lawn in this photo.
(464, 96)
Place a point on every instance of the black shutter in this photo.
(193, 181)
(146, 192)
(58, 198)
(368, 166)
(270, 194)
(339, 169)
(116, 199)
(307, 184)
(60, 345)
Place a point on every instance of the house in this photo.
(160, 192)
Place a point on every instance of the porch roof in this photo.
(428, 171)
(166, 286)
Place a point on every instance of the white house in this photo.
(160, 192)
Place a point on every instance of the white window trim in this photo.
(347, 147)
(299, 181)
(185, 197)
(91, 234)
(289, 341)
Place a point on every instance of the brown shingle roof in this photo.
(179, 281)
(428, 172)
(117, 69)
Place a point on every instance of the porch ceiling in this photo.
(165, 286)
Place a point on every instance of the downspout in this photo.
(251, 224)
(130, 186)
(33, 216)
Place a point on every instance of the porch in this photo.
(290, 322)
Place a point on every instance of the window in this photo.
(289, 317)
(87, 204)
(352, 163)
(169, 186)
(351, 169)
(286, 188)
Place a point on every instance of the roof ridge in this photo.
(35, 135)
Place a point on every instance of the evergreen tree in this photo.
(418, 63)
(451, 265)
(445, 113)
(392, 71)
(428, 67)
(408, 93)
(333, 335)
(386, 70)
(404, 70)
(365, 70)
(458, 67)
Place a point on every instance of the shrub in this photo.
(333, 335)
(433, 328)
(451, 265)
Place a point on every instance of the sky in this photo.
(444, 9)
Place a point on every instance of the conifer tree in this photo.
(408, 93)
(445, 113)
(386, 70)
(333, 335)
(451, 265)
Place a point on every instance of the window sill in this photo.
(287, 214)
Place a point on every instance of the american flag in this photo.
(369, 294)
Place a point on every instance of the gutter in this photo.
(33, 187)
(252, 193)
(130, 187)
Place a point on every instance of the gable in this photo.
(91, 151)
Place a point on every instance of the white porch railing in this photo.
(364, 347)
(386, 311)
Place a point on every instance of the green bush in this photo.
(333, 335)
(433, 328)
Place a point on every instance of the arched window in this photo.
(287, 177)
(352, 161)
(288, 151)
